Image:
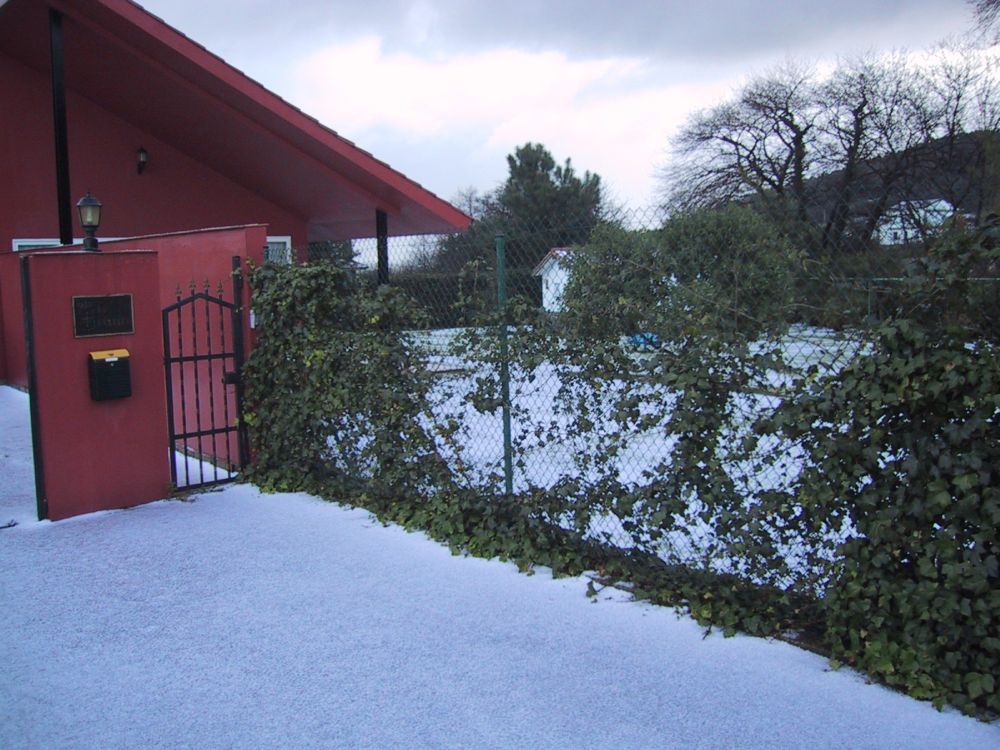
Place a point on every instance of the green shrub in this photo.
(705, 272)
(334, 390)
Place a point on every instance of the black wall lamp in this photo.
(89, 209)
(141, 159)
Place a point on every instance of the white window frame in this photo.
(33, 243)
(40, 243)
(285, 239)
(37, 243)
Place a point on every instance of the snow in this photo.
(190, 470)
(236, 619)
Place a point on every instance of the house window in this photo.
(37, 243)
(32, 244)
(278, 249)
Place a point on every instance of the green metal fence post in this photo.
(508, 453)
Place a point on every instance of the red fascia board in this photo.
(138, 48)
(228, 84)
(184, 72)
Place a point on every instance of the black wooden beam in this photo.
(41, 498)
(64, 204)
(382, 238)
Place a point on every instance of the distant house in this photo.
(554, 272)
(914, 221)
(904, 198)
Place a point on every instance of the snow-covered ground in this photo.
(241, 620)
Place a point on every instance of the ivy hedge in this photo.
(337, 404)
(905, 443)
(854, 501)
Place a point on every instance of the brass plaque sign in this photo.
(102, 316)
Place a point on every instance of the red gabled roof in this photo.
(148, 73)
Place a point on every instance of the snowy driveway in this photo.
(240, 620)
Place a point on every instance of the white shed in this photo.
(555, 273)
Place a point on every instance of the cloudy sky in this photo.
(443, 89)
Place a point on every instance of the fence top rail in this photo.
(880, 279)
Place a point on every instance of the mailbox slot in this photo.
(110, 374)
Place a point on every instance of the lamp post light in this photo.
(90, 218)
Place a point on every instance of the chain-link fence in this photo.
(627, 377)
(623, 374)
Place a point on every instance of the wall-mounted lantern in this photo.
(90, 219)
(141, 159)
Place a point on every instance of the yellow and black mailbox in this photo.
(110, 375)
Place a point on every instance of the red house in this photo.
(102, 96)
(199, 169)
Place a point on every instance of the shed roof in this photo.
(146, 72)
(552, 259)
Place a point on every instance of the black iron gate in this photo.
(203, 357)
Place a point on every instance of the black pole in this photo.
(382, 238)
(508, 451)
(168, 369)
(41, 499)
(64, 206)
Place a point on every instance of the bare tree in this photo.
(871, 125)
(472, 202)
(828, 156)
(962, 93)
(758, 144)
(987, 17)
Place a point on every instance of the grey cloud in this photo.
(665, 31)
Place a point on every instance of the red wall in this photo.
(174, 193)
(13, 368)
(97, 455)
(198, 257)
(195, 256)
(3, 345)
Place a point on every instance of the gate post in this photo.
(508, 452)
(96, 392)
(239, 354)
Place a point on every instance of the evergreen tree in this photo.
(546, 205)
(540, 205)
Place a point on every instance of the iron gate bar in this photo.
(197, 394)
(211, 375)
(199, 358)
